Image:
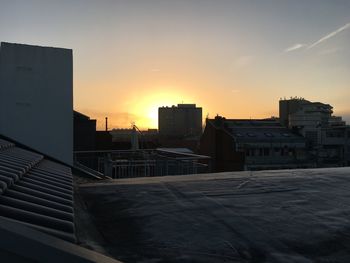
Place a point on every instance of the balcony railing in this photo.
(143, 163)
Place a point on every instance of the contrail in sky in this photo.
(294, 47)
(329, 35)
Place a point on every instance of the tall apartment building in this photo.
(185, 120)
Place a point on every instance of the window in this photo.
(267, 134)
(285, 151)
(312, 136)
(336, 134)
(266, 151)
(329, 134)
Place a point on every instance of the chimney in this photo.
(106, 123)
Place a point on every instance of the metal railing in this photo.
(143, 163)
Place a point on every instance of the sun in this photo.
(147, 107)
(152, 115)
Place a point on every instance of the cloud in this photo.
(325, 38)
(330, 35)
(294, 47)
(329, 51)
(244, 61)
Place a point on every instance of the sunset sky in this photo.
(235, 58)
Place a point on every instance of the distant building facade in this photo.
(236, 144)
(328, 136)
(181, 121)
(84, 132)
(119, 135)
(121, 138)
(103, 141)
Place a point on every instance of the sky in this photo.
(235, 58)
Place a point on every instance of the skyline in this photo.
(233, 58)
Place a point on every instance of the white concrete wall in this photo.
(36, 98)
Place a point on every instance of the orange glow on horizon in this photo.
(141, 109)
(147, 107)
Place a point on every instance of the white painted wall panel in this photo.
(36, 98)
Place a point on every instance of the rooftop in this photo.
(265, 216)
(182, 106)
(256, 130)
(36, 191)
(37, 219)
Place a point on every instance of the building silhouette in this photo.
(84, 132)
(121, 138)
(181, 121)
(241, 144)
(328, 136)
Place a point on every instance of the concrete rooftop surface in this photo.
(265, 216)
